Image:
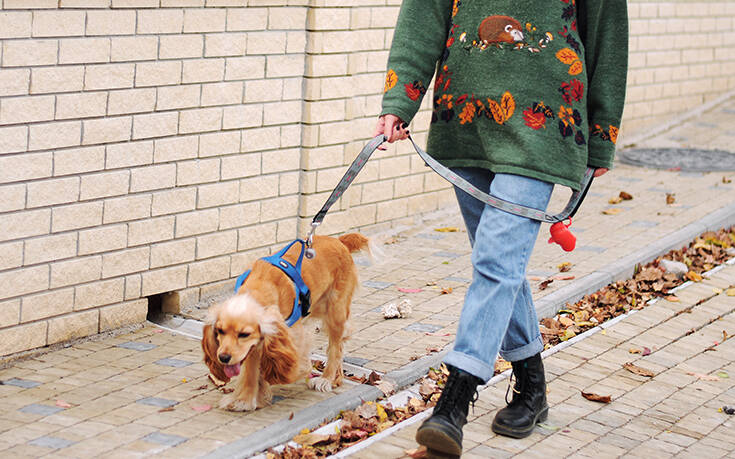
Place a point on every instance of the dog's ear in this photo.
(279, 364)
(209, 346)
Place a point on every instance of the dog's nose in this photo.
(225, 358)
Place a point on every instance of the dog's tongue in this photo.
(232, 370)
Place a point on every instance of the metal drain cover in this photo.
(685, 159)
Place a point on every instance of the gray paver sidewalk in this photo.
(146, 393)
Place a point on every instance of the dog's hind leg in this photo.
(335, 322)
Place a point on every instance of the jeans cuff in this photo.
(470, 364)
(524, 352)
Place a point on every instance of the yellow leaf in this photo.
(496, 111)
(508, 104)
(567, 55)
(448, 229)
(576, 68)
(717, 290)
(730, 292)
(615, 200)
(568, 334)
(390, 80)
(694, 277)
(614, 211)
(382, 415)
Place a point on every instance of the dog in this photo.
(246, 337)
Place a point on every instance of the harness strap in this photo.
(302, 299)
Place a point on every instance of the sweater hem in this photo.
(511, 169)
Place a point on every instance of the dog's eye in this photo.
(219, 331)
(243, 335)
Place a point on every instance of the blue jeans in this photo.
(498, 313)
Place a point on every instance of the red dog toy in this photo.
(561, 235)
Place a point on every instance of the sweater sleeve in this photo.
(603, 27)
(418, 43)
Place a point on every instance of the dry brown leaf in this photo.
(311, 439)
(386, 387)
(633, 350)
(545, 284)
(564, 267)
(703, 376)
(670, 198)
(672, 298)
(62, 404)
(625, 196)
(446, 290)
(613, 211)
(596, 398)
(417, 453)
(638, 370)
(615, 200)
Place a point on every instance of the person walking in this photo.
(526, 95)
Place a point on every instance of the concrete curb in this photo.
(285, 429)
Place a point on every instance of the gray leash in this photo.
(516, 209)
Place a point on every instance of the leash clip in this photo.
(310, 253)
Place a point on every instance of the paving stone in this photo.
(44, 410)
(51, 442)
(24, 383)
(159, 402)
(164, 439)
(376, 284)
(423, 328)
(137, 346)
(176, 363)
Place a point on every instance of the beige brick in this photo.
(26, 4)
(25, 167)
(127, 208)
(218, 194)
(152, 178)
(103, 239)
(263, 91)
(150, 230)
(219, 143)
(25, 224)
(29, 53)
(180, 96)
(76, 325)
(14, 198)
(13, 140)
(52, 192)
(279, 208)
(155, 125)
(262, 42)
(15, 24)
(257, 236)
(204, 20)
(197, 171)
(290, 65)
(50, 248)
(57, 79)
(137, 48)
(294, 18)
(280, 161)
(14, 82)
(84, 3)
(245, 68)
(125, 262)
(120, 315)
(199, 222)
(200, 120)
(23, 281)
(207, 271)
(228, 44)
(257, 188)
(109, 76)
(174, 201)
(76, 216)
(58, 23)
(158, 73)
(47, 305)
(221, 93)
(213, 245)
(244, 19)
(104, 185)
(9, 313)
(203, 70)
(181, 46)
(82, 105)
(326, 65)
(110, 22)
(242, 116)
(132, 101)
(98, 294)
(129, 154)
(239, 166)
(77, 271)
(159, 21)
(135, 3)
(84, 50)
(173, 253)
(281, 113)
(164, 280)
(288, 183)
(55, 135)
(107, 130)
(239, 215)
(11, 256)
(23, 338)
(176, 148)
(27, 109)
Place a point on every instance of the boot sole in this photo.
(438, 441)
(520, 433)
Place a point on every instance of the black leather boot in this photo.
(442, 432)
(528, 406)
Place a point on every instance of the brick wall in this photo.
(154, 146)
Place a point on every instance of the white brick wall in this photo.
(149, 146)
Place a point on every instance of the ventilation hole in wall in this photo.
(155, 307)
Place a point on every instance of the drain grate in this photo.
(685, 159)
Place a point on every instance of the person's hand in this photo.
(599, 172)
(392, 127)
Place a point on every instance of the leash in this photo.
(559, 230)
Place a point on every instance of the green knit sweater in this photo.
(534, 88)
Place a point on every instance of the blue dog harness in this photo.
(302, 300)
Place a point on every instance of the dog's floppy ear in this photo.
(279, 364)
(209, 346)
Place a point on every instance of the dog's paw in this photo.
(320, 384)
(230, 403)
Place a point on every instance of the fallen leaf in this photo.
(563, 277)
(373, 378)
(157, 330)
(386, 387)
(724, 335)
(596, 398)
(448, 229)
(183, 380)
(437, 334)
(726, 180)
(638, 370)
(446, 290)
(730, 292)
(201, 408)
(290, 417)
(62, 404)
(418, 453)
(311, 439)
(564, 267)
(670, 199)
(545, 284)
(694, 277)
(716, 290)
(566, 321)
(615, 200)
(613, 211)
(168, 408)
(672, 298)
(367, 410)
(502, 365)
(432, 349)
(202, 387)
(646, 351)
(703, 377)
(625, 196)
(409, 290)
(227, 390)
(723, 374)
(634, 350)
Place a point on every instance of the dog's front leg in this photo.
(245, 396)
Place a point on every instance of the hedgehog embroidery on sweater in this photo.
(528, 88)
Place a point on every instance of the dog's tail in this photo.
(355, 242)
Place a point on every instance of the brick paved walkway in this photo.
(146, 393)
